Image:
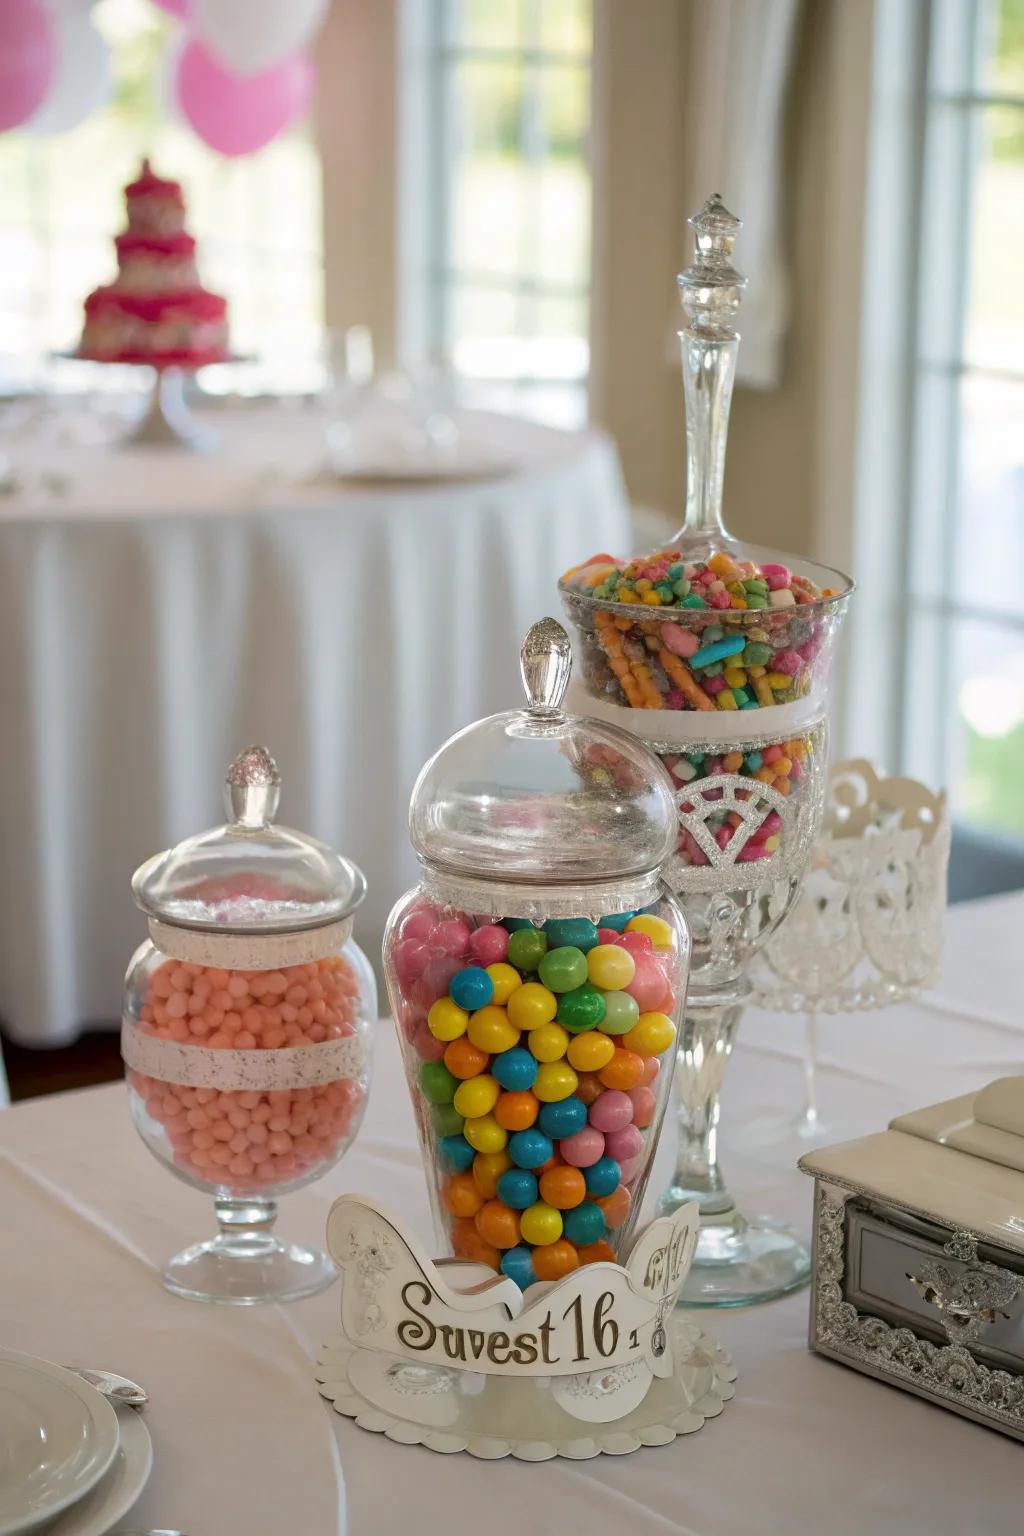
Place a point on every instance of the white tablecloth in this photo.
(244, 1444)
(169, 609)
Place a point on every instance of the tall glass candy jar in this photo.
(247, 1032)
(717, 654)
(537, 976)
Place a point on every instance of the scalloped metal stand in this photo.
(492, 1417)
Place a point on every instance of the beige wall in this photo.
(789, 478)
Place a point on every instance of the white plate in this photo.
(58, 1436)
(118, 1490)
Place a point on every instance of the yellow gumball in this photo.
(532, 1005)
(549, 1042)
(610, 967)
(477, 1096)
(540, 1224)
(446, 1020)
(506, 980)
(488, 1168)
(490, 1030)
(657, 930)
(651, 1034)
(555, 1080)
(590, 1052)
(485, 1134)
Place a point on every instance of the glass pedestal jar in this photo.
(246, 1034)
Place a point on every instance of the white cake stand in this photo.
(166, 421)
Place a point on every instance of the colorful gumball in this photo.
(590, 1052)
(610, 967)
(526, 949)
(602, 1177)
(457, 1152)
(447, 1021)
(548, 1043)
(652, 1066)
(517, 1187)
(590, 1087)
(637, 943)
(491, 1030)
(621, 1012)
(447, 1120)
(584, 1148)
(464, 1059)
(563, 970)
(583, 1225)
(615, 1207)
(517, 1264)
(471, 988)
(515, 1070)
(644, 1105)
(477, 1096)
(540, 1224)
(617, 922)
(437, 1083)
(600, 1252)
(563, 1118)
(581, 1009)
(651, 1034)
(529, 1149)
(488, 1168)
(612, 1111)
(648, 983)
(517, 1111)
(498, 1225)
(625, 1144)
(461, 1195)
(579, 932)
(555, 1080)
(553, 1260)
(563, 1187)
(532, 1005)
(489, 945)
(656, 929)
(505, 980)
(624, 1070)
(485, 1134)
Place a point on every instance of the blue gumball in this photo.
(584, 1224)
(602, 1177)
(579, 932)
(471, 988)
(513, 924)
(517, 1187)
(562, 1119)
(515, 1069)
(616, 920)
(517, 1264)
(457, 1153)
(528, 1149)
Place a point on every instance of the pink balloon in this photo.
(28, 57)
(179, 8)
(237, 115)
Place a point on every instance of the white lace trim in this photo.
(249, 951)
(200, 1066)
(537, 903)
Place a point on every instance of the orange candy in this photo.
(461, 1195)
(615, 1207)
(600, 1252)
(589, 1087)
(488, 1168)
(464, 1059)
(563, 1187)
(497, 1224)
(517, 1111)
(553, 1260)
(624, 1071)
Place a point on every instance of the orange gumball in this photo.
(481, 1252)
(553, 1260)
(517, 1111)
(464, 1237)
(464, 1059)
(461, 1195)
(624, 1071)
(488, 1168)
(497, 1224)
(600, 1252)
(616, 1206)
(563, 1187)
(589, 1087)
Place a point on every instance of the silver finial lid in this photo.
(711, 289)
(250, 875)
(545, 662)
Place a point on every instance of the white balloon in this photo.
(82, 78)
(249, 36)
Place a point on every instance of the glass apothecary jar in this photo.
(537, 976)
(246, 1032)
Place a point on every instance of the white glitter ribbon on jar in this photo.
(230, 1071)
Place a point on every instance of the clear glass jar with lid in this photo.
(537, 976)
(246, 1031)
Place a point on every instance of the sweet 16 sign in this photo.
(463, 1316)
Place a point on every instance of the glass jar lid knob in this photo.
(545, 661)
(252, 788)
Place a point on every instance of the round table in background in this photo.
(160, 610)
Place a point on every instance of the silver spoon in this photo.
(117, 1388)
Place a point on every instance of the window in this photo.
(963, 702)
(256, 220)
(508, 274)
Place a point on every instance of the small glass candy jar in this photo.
(537, 976)
(247, 1031)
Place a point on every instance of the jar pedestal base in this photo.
(740, 1262)
(246, 1270)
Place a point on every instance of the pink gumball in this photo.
(419, 925)
(437, 975)
(411, 956)
(611, 1111)
(637, 943)
(453, 937)
(237, 115)
(489, 945)
(628, 1171)
(648, 984)
(623, 1145)
(608, 935)
(644, 1104)
(28, 57)
(584, 1148)
(652, 1066)
(428, 1048)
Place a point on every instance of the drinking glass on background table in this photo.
(348, 368)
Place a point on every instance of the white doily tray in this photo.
(451, 1356)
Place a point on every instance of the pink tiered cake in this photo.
(156, 310)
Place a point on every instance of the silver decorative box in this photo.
(919, 1254)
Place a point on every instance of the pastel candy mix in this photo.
(735, 636)
(249, 1141)
(784, 766)
(534, 1051)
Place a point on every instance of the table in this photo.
(170, 609)
(244, 1444)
